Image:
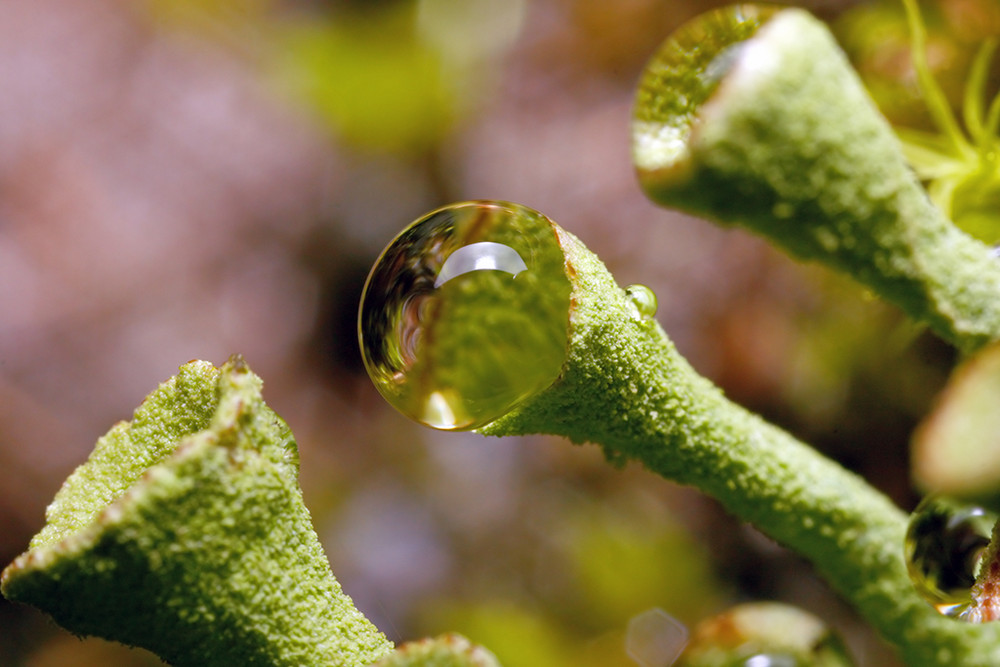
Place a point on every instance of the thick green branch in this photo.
(626, 388)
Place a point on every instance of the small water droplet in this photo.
(944, 544)
(654, 638)
(680, 78)
(466, 313)
(643, 300)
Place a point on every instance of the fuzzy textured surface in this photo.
(185, 534)
(625, 387)
(791, 146)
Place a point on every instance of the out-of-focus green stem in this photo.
(936, 100)
(185, 533)
(626, 388)
(791, 146)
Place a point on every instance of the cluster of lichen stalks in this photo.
(185, 532)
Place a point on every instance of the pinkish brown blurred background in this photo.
(186, 179)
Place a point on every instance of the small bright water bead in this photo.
(944, 544)
(466, 313)
(643, 300)
(679, 79)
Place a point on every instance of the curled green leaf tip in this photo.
(185, 533)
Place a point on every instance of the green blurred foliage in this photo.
(615, 562)
(374, 74)
(876, 38)
(665, 568)
(370, 78)
(957, 161)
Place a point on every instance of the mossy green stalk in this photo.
(185, 533)
(626, 388)
(791, 146)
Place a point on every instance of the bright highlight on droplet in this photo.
(482, 256)
(466, 313)
(944, 545)
(654, 638)
(679, 79)
(643, 300)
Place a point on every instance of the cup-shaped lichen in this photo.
(678, 81)
(766, 125)
(185, 533)
(625, 387)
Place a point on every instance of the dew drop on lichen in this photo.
(466, 313)
(643, 300)
(944, 544)
(679, 79)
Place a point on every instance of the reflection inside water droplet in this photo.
(944, 544)
(482, 256)
(466, 313)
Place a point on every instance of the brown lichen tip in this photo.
(185, 533)
(986, 591)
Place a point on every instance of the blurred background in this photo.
(186, 179)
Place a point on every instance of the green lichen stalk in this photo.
(185, 533)
(626, 388)
(790, 145)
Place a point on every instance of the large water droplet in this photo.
(945, 540)
(679, 79)
(643, 300)
(466, 313)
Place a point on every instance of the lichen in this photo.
(185, 533)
